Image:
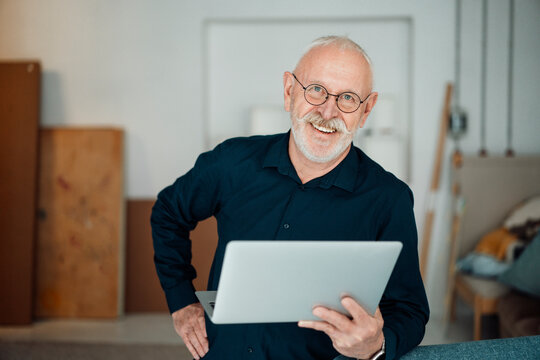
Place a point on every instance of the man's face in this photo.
(322, 132)
(318, 139)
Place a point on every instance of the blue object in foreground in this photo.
(523, 348)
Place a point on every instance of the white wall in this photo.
(140, 64)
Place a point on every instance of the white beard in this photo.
(314, 149)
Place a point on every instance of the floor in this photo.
(139, 328)
(158, 329)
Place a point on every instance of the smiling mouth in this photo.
(323, 129)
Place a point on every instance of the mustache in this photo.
(334, 123)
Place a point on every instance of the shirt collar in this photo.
(278, 156)
(343, 176)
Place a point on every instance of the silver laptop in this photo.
(281, 281)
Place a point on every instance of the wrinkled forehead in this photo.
(335, 68)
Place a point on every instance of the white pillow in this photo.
(529, 210)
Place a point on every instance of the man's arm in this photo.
(193, 197)
(404, 305)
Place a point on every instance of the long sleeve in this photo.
(179, 207)
(404, 304)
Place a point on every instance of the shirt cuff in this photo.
(180, 296)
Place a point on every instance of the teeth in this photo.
(323, 129)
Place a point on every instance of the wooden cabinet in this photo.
(19, 122)
(80, 247)
(143, 291)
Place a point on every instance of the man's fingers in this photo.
(190, 325)
(333, 317)
(319, 326)
(199, 327)
(202, 325)
(355, 309)
(378, 314)
(191, 348)
(201, 337)
(193, 338)
(196, 343)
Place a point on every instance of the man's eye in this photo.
(347, 97)
(317, 89)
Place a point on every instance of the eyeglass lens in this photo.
(317, 95)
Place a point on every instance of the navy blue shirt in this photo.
(251, 187)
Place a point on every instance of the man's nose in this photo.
(329, 109)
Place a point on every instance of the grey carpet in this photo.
(49, 350)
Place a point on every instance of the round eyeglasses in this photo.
(316, 94)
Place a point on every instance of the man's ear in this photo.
(288, 83)
(370, 103)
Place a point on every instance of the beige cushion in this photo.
(485, 287)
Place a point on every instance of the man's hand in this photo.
(359, 337)
(189, 324)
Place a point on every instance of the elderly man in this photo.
(308, 184)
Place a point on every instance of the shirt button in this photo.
(250, 350)
(286, 226)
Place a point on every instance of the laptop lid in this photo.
(281, 281)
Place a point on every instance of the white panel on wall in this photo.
(384, 138)
(389, 151)
(247, 59)
(268, 119)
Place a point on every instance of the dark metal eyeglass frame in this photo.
(328, 93)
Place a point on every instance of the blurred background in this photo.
(129, 93)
